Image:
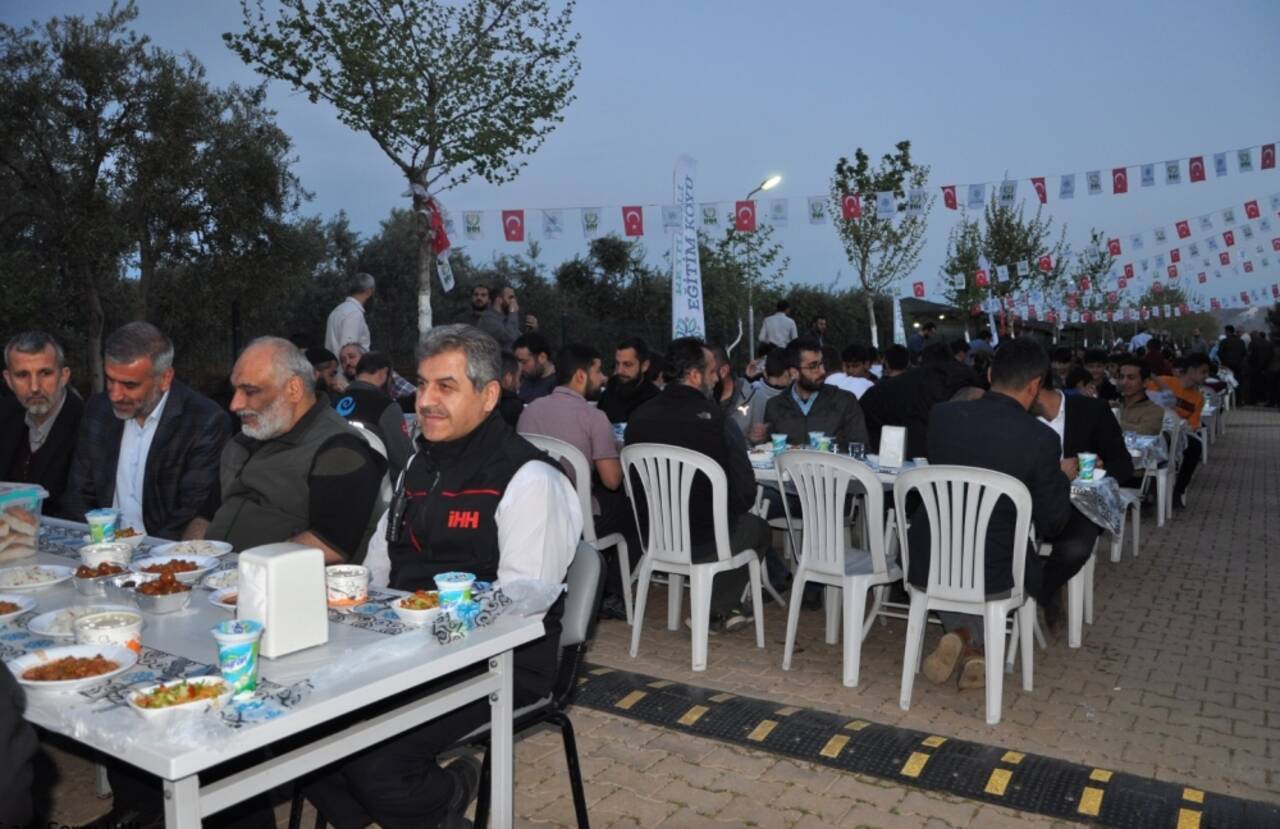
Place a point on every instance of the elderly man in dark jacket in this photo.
(812, 406)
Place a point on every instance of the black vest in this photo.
(452, 491)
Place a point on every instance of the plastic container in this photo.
(91, 555)
(195, 707)
(113, 627)
(347, 584)
(1088, 462)
(20, 509)
(238, 642)
(454, 588)
(103, 524)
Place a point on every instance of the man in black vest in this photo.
(38, 425)
(365, 401)
(480, 499)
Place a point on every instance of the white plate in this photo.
(188, 549)
(216, 598)
(24, 603)
(36, 576)
(184, 708)
(119, 654)
(222, 578)
(43, 625)
(205, 564)
(132, 540)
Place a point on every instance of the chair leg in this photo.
(793, 615)
(642, 595)
(1162, 495)
(916, 618)
(855, 607)
(1117, 540)
(1011, 652)
(1075, 609)
(624, 569)
(994, 638)
(831, 604)
(699, 614)
(1137, 527)
(295, 806)
(1028, 615)
(482, 793)
(754, 568)
(1089, 567)
(561, 720)
(675, 598)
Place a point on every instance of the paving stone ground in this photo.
(1178, 679)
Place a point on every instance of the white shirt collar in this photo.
(1059, 422)
(38, 433)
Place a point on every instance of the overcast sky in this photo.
(751, 88)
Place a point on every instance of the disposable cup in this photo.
(238, 641)
(619, 432)
(1088, 462)
(113, 627)
(779, 442)
(102, 524)
(454, 588)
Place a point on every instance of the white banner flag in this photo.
(552, 224)
(779, 212)
(1173, 172)
(886, 205)
(1024, 269)
(1067, 186)
(1244, 161)
(1008, 193)
(590, 222)
(1161, 235)
(1136, 242)
(1093, 181)
(670, 217)
(1002, 273)
(1148, 175)
(471, 224)
(977, 197)
(710, 214)
(817, 210)
(686, 276)
(1220, 164)
(916, 200)
(1206, 224)
(1229, 216)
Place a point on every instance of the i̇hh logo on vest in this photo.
(346, 406)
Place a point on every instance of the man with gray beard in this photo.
(297, 471)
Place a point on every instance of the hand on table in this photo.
(1070, 467)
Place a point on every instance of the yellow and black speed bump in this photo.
(1026, 782)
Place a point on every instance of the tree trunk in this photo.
(871, 318)
(93, 306)
(426, 261)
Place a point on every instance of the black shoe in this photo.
(464, 771)
(1053, 612)
(1179, 501)
(613, 608)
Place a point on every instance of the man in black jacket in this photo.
(996, 432)
(810, 405)
(684, 415)
(629, 386)
(365, 401)
(38, 425)
(908, 398)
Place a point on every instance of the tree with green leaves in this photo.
(739, 266)
(881, 249)
(448, 91)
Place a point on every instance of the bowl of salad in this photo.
(418, 608)
(192, 695)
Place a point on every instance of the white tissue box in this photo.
(282, 586)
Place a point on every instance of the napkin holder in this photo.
(893, 443)
(282, 586)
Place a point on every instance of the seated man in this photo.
(297, 471)
(1188, 403)
(810, 405)
(777, 376)
(628, 387)
(149, 445)
(1138, 413)
(856, 377)
(685, 415)
(1095, 361)
(510, 406)
(366, 402)
(526, 527)
(39, 424)
(996, 432)
(537, 372)
(906, 399)
(348, 358)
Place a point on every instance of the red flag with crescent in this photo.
(1229, 237)
(1268, 156)
(1251, 210)
(1175, 255)
(917, 288)
(1197, 168)
(851, 207)
(1113, 247)
(633, 220)
(744, 216)
(1224, 258)
(513, 225)
(1184, 229)
(1202, 277)
(1119, 180)
(949, 197)
(1042, 193)
(1275, 244)
(1128, 270)
(1248, 266)
(1045, 263)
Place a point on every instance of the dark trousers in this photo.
(746, 532)
(616, 517)
(1190, 460)
(133, 788)
(1071, 549)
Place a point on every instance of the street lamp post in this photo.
(768, 184)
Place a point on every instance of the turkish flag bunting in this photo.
(1229, 237)
(1184, 229)
(1122, 283)
(1128, 270)
(1275, 290)
(917, 288)
(1042, 193)
(1197, 168)
(851, 207)
(1113, 247)
(1119, 180)
(1275, 244)
(1157, 287)
(948, 197)
(980, 278)
(1268, 156)
(1046, 263)
(1251, 210)
(1071, 300)
(1202, 277)
(1112, 296)
(744, 216)
(440, 241)
(1248, 266)
(1224, 258)
(1084, 283)
(1244, 297)
(1173, 271)
(1175, 255)
(513, 225)
(633, 220)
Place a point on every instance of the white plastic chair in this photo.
(565, 452)
(666, 475)
(1167, 477)
(958, 503)
(1132, 512)
(1079, 596)
(822, 483)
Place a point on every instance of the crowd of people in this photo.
(312, 434)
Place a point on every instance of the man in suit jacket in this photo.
(908, 398)
(149, 446)
(996, 432)
(38, 425)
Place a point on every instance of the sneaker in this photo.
(941, 664)
(973, 670)
(464, 772)
(737, 618)
(714, 626)
(613, 608)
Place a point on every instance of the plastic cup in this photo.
(778, 440)
(347, 584)
(454, 588)
(102, 524)
(619, 432)
(857, 451)
(823, 444)
(1088, 462)
(238, 641)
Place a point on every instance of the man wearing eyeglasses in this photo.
(812, 406)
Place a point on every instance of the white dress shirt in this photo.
(1059, 422)
(857, 386)
(346, 325)
(778, 329)
(131, 467)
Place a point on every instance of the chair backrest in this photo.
(665, 474)
(959, 501)
(822, 484)
(577, 624)
(563, 452)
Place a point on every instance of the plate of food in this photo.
(70, 668)
(164, 594)
(124, 535)
(13, 605)
(187, 569)
(192, 695)
(219, 579)
(197, 547)
(33, 576)
(60, 624)
(91, 581)
(225, 598)
(418, 608)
